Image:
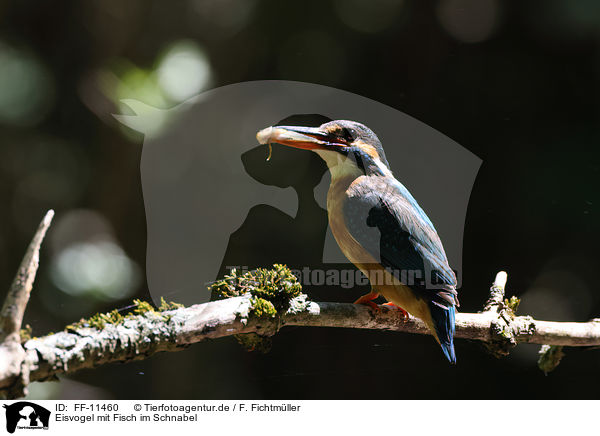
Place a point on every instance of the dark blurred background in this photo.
(516, 83)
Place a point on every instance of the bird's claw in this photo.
(403, 313)
(368, 300)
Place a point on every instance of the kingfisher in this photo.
(379, 226)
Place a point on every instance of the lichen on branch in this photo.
(271, 292)
(115, 317)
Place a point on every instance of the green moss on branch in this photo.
(271, 291)
(99, 321)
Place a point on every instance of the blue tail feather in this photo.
(444, 321)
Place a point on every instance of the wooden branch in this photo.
(140, 336)
(11, 315)
(143, 335)
(17, 298)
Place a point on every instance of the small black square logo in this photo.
(26, 415)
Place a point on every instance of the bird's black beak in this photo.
(307, 138)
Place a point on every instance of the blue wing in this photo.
(406, 241)
(407, 245)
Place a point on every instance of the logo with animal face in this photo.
(213, 201)
(26, 415)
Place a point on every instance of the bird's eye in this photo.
(347, 134)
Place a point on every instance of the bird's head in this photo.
(346, 146)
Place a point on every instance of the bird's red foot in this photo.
(403, 313)
(368, 300)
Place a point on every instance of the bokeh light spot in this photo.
(26, 88)
(226, 17)
(469, 20)
(183, 71)
(557, 295)
(99, 269)
(87, 262)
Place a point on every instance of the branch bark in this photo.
(17, 298)
(140, 336)
(12, 354)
